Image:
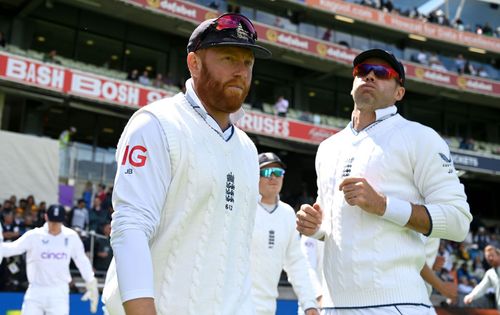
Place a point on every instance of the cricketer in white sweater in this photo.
(184, 197)
(276, 246)
(490, 280)
(371, 260)
(47, 267)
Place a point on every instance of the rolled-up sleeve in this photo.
(437, 181)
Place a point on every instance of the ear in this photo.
(194, 64)
(400, 92)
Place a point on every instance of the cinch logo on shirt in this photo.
(56, 256)
(135, 159)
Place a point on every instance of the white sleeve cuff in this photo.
(397, 211)
(319, 235)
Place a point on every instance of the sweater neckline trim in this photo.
(203, 115)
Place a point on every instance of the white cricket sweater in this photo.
(48, 256)
(371, 261)
(276, 246)
(200, 249)
(490, 280)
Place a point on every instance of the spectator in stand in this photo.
(214, 5)
(435, 63)
(327, 35)
(28, 222)
(158, 81)
(51, 57)
(3, 41)
(13, 200)
(79, 216)
(87, 194)
(469, 68)
(11, 229)
(466, 144)
(31, 204)
(387, 6)
(490, 279)
(278, 23)
(482, 239)
(459, 25)
(7, 206)
(281, 106)
(40, 216)
(460, 64)
(21, 209)
(144, 78)
(422, 58)
(101, 192)
(98, 215)
(103, 250)
(481, 72)
(133, 75)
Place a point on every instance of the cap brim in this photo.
(272, 162)
(258, 51)
(375, 54)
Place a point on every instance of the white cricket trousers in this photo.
(40, 300)
(385, 310)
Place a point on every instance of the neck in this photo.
(221, 118)
(362, 118)
(54, 228)
(270, 199)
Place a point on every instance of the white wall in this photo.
(29, 165)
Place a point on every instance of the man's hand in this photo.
(92, 294)
(357, 192)
(309, 219)
(449, 290)
(467, 299)
(311, 311)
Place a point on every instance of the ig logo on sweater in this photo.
(134, 157)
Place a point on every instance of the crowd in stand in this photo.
(436, 17)
(90, 217)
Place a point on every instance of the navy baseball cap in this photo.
(56, 213)
(384, 55)
(230, 29)
(269, 158)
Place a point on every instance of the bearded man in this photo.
(186, 187)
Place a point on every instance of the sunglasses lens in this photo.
(231, 21)
(268, 172)
(380, 71)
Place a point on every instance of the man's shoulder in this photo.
(286, 209)
(415, 129)
(66, 231)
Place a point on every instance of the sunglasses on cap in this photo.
(228, 21)
(381, 71)
(268, 172)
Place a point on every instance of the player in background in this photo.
(49, 250)
(276, 244)
(490, 279)
(382, 182)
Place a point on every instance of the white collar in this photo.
(386, 111)
(233, 118)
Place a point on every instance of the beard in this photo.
(218, 95)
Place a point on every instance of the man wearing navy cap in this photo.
(186, 187)
(276, 244)
(49, 250)
(383, 183)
